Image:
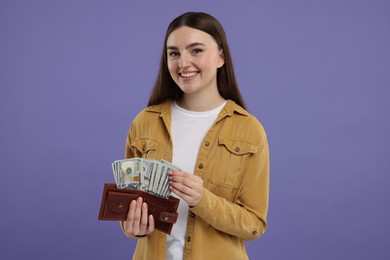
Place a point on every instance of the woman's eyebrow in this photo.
(187, 47)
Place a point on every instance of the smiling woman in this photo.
(193, 61)
(199, 119)
(166, 88)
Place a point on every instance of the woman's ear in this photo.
(221, 60)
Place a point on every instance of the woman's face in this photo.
(193, 60)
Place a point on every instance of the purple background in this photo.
(73, 74)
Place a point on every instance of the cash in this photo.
(143, 174)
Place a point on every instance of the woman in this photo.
(196, 118)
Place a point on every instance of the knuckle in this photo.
(135, 231)
(144, 225)
(129, 231)
(187, 181)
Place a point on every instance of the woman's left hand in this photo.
(187, 186)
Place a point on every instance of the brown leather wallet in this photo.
(115, 205)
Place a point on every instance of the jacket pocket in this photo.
(145, 148)
(229, 163)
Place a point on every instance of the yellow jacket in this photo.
(233, 162)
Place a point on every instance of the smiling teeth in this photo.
(187, 75)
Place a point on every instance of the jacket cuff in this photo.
(121, 223)
(203, 203)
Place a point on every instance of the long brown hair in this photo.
(165, 88)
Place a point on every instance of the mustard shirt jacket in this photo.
(233, 161)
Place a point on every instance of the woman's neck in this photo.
(199, 103)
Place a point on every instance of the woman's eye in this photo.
(197, 51)
(173, 53)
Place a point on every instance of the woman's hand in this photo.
(138, 223)
(187, 186)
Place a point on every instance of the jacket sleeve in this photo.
(129, 154)
(246, 216)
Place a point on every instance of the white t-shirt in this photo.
(188, 130)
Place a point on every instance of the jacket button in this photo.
(237, 149)
(188, 239)
(192, 215)
(200, 166)
(207, 144)
(144, 148)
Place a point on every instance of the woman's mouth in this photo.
(188, 74)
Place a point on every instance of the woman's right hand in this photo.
(138, 223)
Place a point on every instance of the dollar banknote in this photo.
(143, 174)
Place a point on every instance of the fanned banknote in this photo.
(143, 174)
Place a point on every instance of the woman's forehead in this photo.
(185, 36)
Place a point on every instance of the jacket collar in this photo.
(163, 108)
(228, 110)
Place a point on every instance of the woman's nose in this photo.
(184, 61)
